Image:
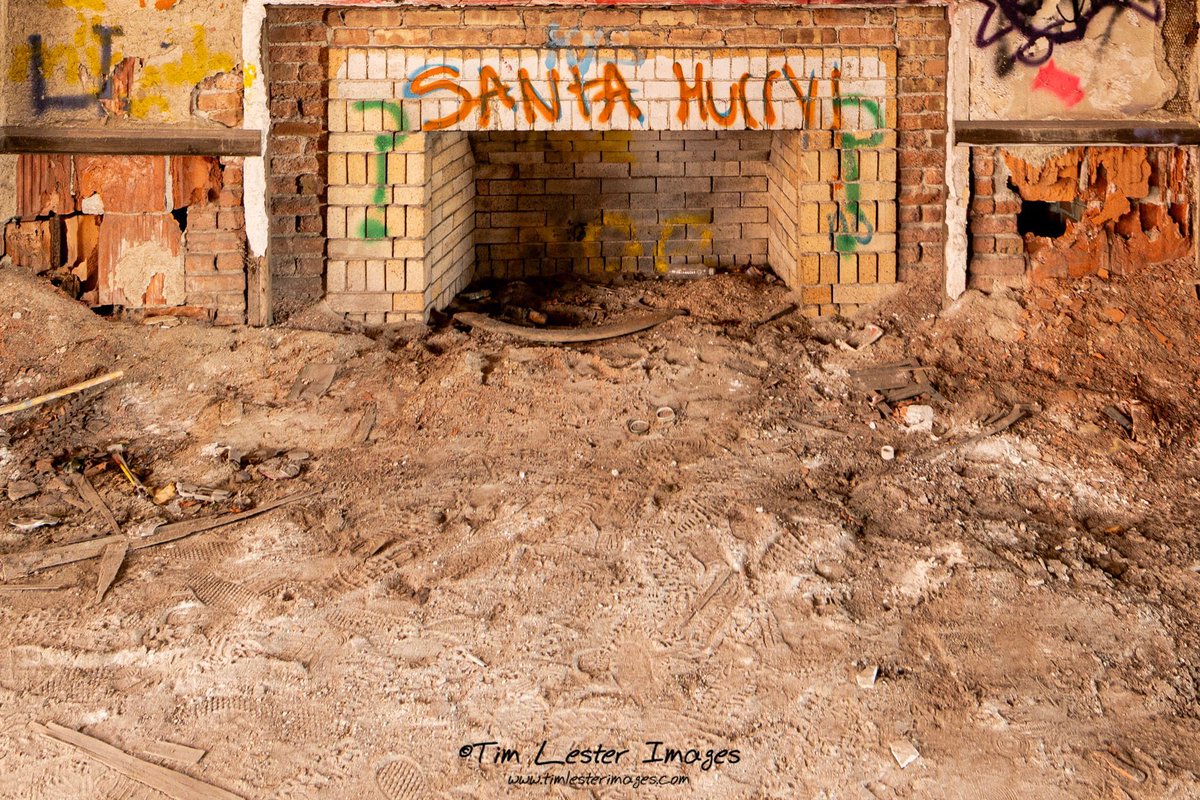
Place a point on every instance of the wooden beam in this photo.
(143, 141)
(1074, 132)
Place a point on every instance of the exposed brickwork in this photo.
(996, 255)
(219, 99)
(296, 151)
(904, 237)
(619, 201)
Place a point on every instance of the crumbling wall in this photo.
(1054, 214)
(1101, 60)
(79, 62)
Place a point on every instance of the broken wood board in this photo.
(171, 783)
(111, 559)
(21, 405)
(170, 751)
(610, 330)
(313, 382)
(89, 493)
(991, 427)
(21, 564)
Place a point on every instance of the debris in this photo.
(276, 469)
(887, 452)
(609, 330)
(297, 456)
(20, 564)
(64, 392)
(1119, 765)
(34, 587)
(32, 523)
(128, 473)
(89, 493)
(313, 382)
(362, 431)
(178, 530)
(637, 426)
(991, 426)
(665, 414)
(482, 294)
(1122, 419)
(536, 317)
(895, 382)
(19, 490)
(866, 678)
(779, 313)
(179, 753)
(861, 339)
(206, 494)
(1113, 315)
(171, 783)
(918, 419)
(904, 752)
(164, 494)
(110, 564)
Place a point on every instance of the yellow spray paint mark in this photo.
(669, 226)
(192, 67)
(62, 62)
(249, 74)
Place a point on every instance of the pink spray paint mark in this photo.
(1063, 84)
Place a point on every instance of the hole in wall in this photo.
(180, 215)
(1043, 219)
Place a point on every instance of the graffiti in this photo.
(121, 87)
(1058, 82)
(1039, 27)
(375, 224)
(852, 227)
(623, 225)
(580, 49)
(608, 90)
(37, 74)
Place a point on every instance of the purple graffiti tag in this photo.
(1041, 30)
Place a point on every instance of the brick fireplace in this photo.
(453, 144)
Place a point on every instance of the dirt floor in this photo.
(493, 556)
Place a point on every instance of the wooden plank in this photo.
(110, 564)
(177, 530)
(21, 564)
(566, 335)
(170, 751)
(168, 781)
(1110, 132)
(89, 493)
(140, 141)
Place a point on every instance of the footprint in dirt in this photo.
(400, 779)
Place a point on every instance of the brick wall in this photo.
(298, 59)
(450, 241)
(619, 201)
(121, 222)
(996, 255)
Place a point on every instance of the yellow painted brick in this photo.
(335, 222)
(810, 268)
(356, 276)
(857, 293)
(415, 172)
(376, 276)
(885, 217)
(813, 243)
(410, 195)
(372, 117)
(886, 266)
(417, 220)
(867, 267)
(816, 295)
(887, 165)
(829, 268)
(810, 165)
(394, 275)
(407, 248)
(337, 169)
(395, 221)
(810, 218)
(358, 168)
(335, 276)
(377, 219)
(826, 217)
(337, 117)
(815, 191)
(408, 301)
(847, 268)
(830, 165)
(350, 195)
(359, 303)
(415, 275)
(868, 165)
(356, 222)
(876, 191)
(410, 143)
(360, 248)
(352, 142)
(397, 167)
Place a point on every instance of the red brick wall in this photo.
(997, 253)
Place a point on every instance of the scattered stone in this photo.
(276, 469)
(32, 523)
(164, 494)
(866, 679)
(207, 494)
(918, 419)
(887, 452)
(19, 490)
(904, 752)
